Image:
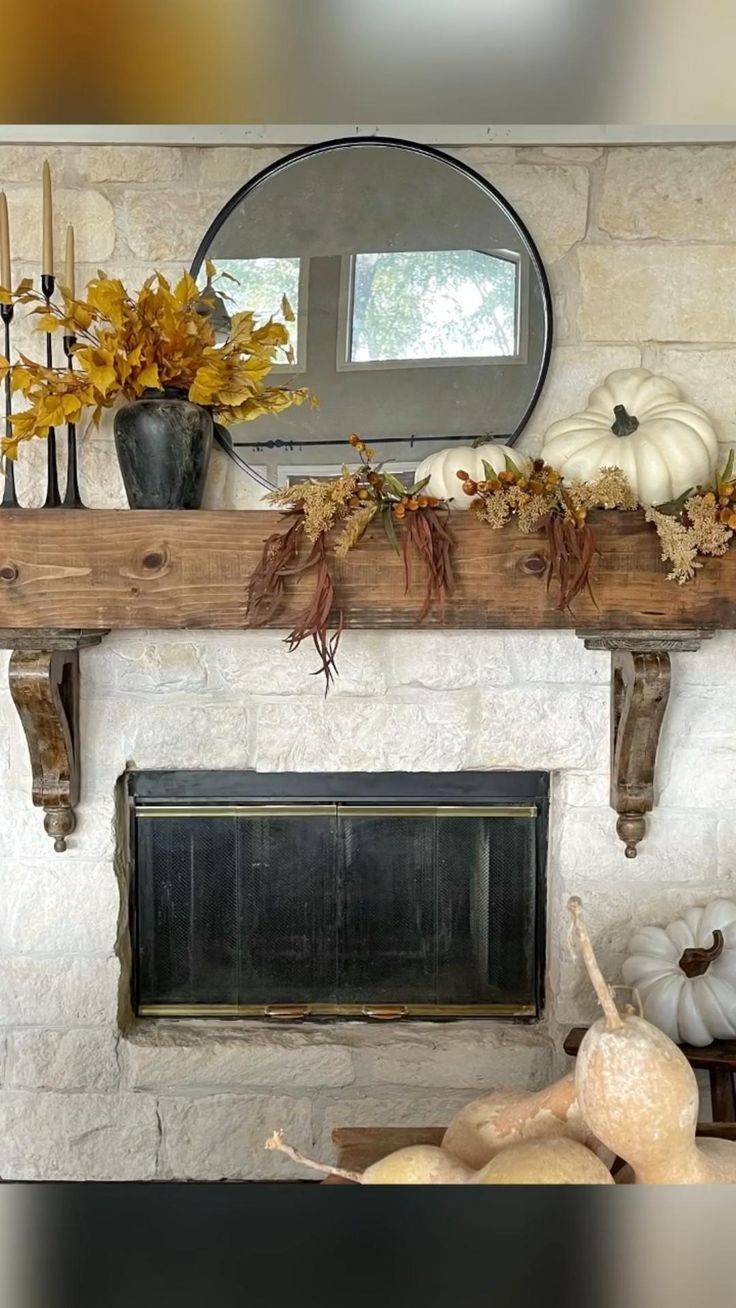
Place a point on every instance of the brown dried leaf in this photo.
(426, 533)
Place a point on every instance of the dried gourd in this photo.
(503, 1117)
(558, 1161)
(533, 1162)
(639, 1095)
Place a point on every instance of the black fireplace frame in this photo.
(186, 787)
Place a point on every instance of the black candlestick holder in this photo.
(72, 497)
(9, 497)
(53, 499)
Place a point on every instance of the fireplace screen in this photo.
(338, 895)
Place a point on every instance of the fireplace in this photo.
(338, 895)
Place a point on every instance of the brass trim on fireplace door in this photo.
(236, 810)
(336, 1010)
(438, 810)
(344, 810)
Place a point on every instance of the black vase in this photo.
(163, 443)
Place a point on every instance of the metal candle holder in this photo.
(72, 497)
(53, 499)
(9, 499)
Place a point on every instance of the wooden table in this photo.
(359, 1146)
(718, 1060)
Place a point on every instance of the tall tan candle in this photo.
(47, 258)
(69, 281)
(5, 273)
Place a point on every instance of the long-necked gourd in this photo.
(639, 1095)
(534, 1162)
(504, 1117)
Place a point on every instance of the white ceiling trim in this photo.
(233, 134)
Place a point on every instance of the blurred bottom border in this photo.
(277, 1245)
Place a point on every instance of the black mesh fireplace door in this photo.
(338, 895)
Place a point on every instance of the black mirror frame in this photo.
(360, 141)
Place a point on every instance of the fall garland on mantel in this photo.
(416, 524)
(700, 522)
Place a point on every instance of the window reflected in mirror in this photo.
(433, 304)
(260, 286)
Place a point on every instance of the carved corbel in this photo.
(640, 688)
(44, 685)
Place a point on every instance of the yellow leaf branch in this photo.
(163, 337)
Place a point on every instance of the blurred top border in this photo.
(234, 134)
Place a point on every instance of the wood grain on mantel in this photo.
(106, 569)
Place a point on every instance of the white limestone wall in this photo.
(83, 1096)
(640, 245)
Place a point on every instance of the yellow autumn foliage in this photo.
(161, 338)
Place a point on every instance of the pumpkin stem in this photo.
(695, 962)
(625, 422)
(605, 995)
(276, 1141)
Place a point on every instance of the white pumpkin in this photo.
(685, 974)
(443, 466)
(639, 423)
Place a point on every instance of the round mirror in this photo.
(421, 310)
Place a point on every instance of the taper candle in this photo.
(5, 273)
(47, 259)
(69, 280)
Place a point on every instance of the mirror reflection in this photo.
(416, 303)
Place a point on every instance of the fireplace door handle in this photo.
(385, 1012)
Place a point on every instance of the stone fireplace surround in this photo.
(85, 1093)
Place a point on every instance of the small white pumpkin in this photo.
(443, 466)
(685, 974)
(639, 423)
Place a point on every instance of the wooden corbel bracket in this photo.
(640, 688)
(44, 685)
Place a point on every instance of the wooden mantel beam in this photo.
(108, 569)
(68, 577)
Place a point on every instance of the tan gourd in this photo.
(639, 1095)
(535, 1162)
(504, 1117)
(558, 1161)
(417, 1165)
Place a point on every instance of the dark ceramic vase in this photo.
(163, 443)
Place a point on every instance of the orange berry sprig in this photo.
(724, 495)
(362, 449)
(374, 481)
(387, 489)
(542, 481)
(726, 502)
(410, 504)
